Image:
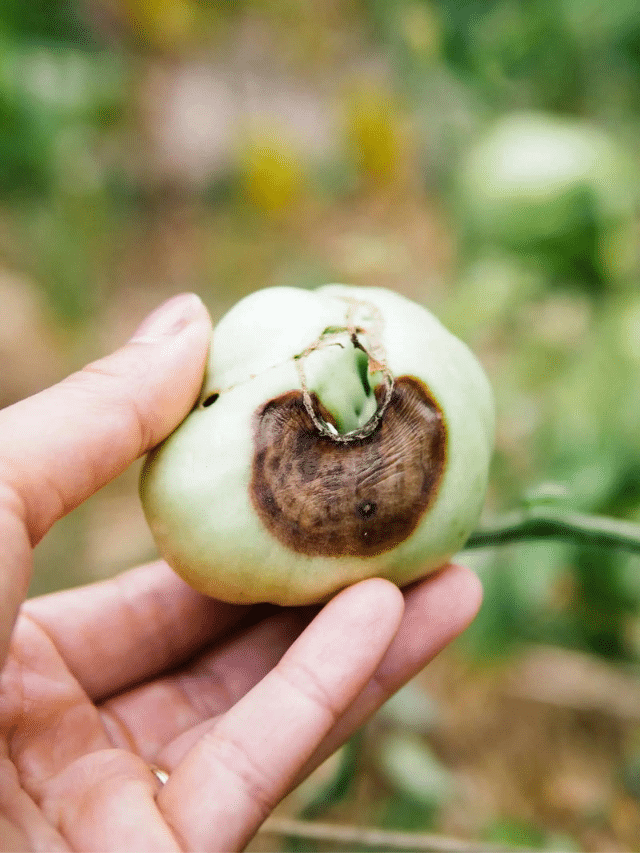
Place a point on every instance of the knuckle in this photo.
(11, 502)
(17, 504)
(305, 681)
(260, 789)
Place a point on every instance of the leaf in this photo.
(409, 766)
(411, 708)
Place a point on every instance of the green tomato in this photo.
(340, 434)
(543, 184)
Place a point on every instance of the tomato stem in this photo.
(543, 522)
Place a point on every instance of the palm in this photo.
(82, 720)
(81, 750)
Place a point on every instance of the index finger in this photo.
(228, 782)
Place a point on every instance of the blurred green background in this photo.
(480, 158)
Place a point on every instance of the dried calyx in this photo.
(346, 385)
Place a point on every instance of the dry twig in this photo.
(364, 836)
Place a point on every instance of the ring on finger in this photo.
(161, 775)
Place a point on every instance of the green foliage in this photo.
(410, 767)
(25, 148)
(40, 21)
(557, 192)
(48, 96)
(340, 784)
(511, 833)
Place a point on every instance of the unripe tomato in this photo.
(340, 434)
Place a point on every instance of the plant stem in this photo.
(370, 837)
(543, 522)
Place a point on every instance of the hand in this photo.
(100, 684)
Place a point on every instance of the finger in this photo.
(106, 801)
(124, 630)
(164, 720)
(96, 797)
(437, 610)
(59, 446)
(235, 774)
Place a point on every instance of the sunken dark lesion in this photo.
(320, 497)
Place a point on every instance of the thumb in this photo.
(61, 445)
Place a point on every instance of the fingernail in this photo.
(169, 318)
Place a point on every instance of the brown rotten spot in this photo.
(321, 497)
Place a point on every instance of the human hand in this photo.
(103, 683)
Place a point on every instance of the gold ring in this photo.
(161, 775)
